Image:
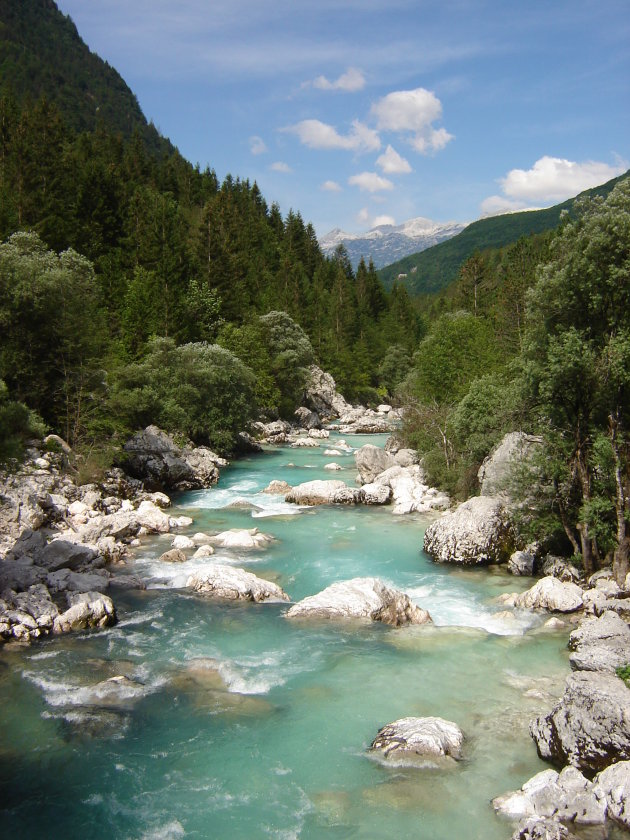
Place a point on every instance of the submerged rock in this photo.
(477, 532)
(590, 726)
(423, 737)
(365, 598)
(226, 582)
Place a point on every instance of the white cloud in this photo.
(392, 163)
(363, 216)
(331, 186)
(549, 181)
(318, 135)
(414, 112)
(383, 220)
(370, 182)
(257, 145)
(555, 179)
(350, 81)
(280, 166)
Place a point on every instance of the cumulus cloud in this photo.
(330, 186)
(257, 145)
(370, 182)
(383, 220)
(549, 181)
(392, 163)
(280, 166)
(413, 112)
(318, 135)
(349, 82)
(363, 216)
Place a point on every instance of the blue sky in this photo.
(358, 112)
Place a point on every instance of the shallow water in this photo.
(238, 723)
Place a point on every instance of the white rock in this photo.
(419, 736)
(226, 582)
(183, 542)
(242, 538)
(333, 467)
(551, 594)
(615, 783)
(152, 518)
(477, 532)
(363, 598)
(203, 551)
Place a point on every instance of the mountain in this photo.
(433, 268)
(42, 55)
(386, 243)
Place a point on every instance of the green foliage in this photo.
(396, 365)
(198, 390)
(17, 423)
(623, 672)
(438, 266)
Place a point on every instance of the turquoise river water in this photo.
(243, 724)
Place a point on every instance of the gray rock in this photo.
(363, 598)
(567, 796)
(173, 555)
(589, 727)
(542, 828)
(559, 567)
(551, 594)
(600, 644)
(226, 582)
(154, 457)
(495, 473)
(86, 610)
(321, 394)
(307, 419)
(281, 488)
(521, 563)
(63, 580)
(476, 533)
(371, 461)
(418, 737)
(316, 492)
(63, 554)
(376, 494)
(410, 491)
(242, 538)
(614, 781)
(406, 458)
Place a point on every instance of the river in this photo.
(241, 724)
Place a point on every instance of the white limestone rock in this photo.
(361, 598)
(552, 595)
(476, 533)
(85, 610)
(418, 737)
(614, 781)
(226, 582)
(600, 644)
(371, 461)
(242, 538)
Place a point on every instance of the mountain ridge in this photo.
(383, 243)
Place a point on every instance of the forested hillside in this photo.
(113, 242)
(436, 268)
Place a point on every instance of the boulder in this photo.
(367, 426)
(551, 594)
(371, 461)
(567, 796)
(173, 555)
(63, 580)
(182, 542)
(280, 488)
(247, 538)
(307, 419)
(418, 737)
(152, 518)
(376, 494)
(600, 644)
(63, 554)
(409, 491)
(495, 472)
(542, 828)
(321, 394)
(406, 457)
(86, 610)
(26, 616)
(559, 567)
(589, 727)
(614, 781)
(316, 492)
(332, 467)
(363, 598)
(153, 456)
(226, 582)
(521, 563)
(476, 533)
